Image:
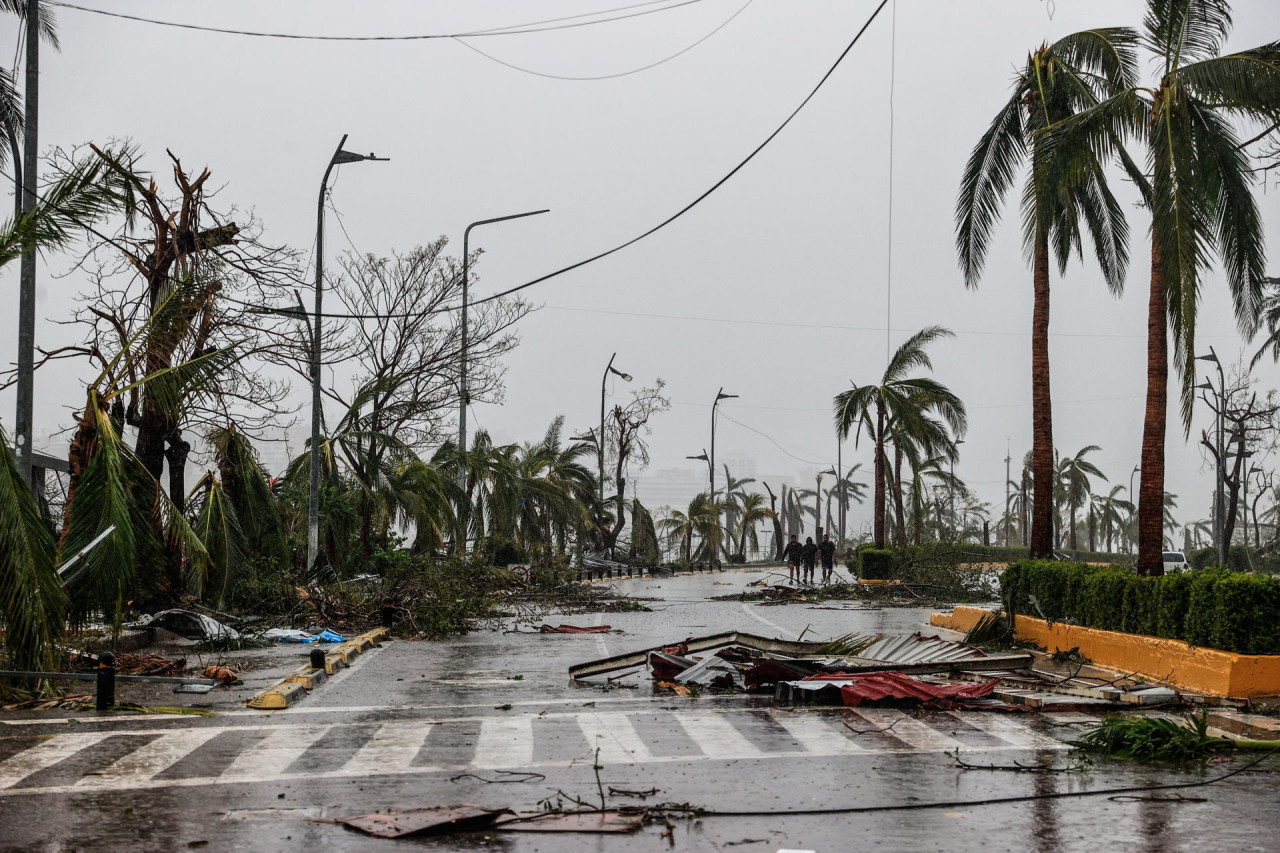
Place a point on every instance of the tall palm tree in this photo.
(900, 405)
(1074, 473)
(701, 519)
(752, 511)
(1065, 183)
(1112, 510)
(1200, 200)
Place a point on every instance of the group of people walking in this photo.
(804, 557)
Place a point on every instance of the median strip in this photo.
(293, 687)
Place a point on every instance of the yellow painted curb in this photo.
(962, 619)
(308, 677)
(1210, 671)
(360, 643)
(333, 663)
(377, 635)
(281, 696)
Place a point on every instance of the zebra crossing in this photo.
(226, 754)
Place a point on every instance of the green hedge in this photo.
(876, 564)
(1212, 607)
(999, 553)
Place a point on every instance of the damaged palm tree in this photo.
(161, 305)
(1161, 739)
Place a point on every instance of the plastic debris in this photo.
(293, 635)
(190, 626)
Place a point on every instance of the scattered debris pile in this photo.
(574, 629)
(861, 668)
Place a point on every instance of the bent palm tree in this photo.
(1201, 202)
(899, 405)
(1065, 183)
(1074, 473)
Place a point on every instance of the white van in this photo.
(1175, 561)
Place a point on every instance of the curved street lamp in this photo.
(339, 157)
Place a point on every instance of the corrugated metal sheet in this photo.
(916, 648)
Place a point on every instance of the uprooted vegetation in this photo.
(425, 596)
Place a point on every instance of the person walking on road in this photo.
(808, 555)
(792, 555)
(827, 553)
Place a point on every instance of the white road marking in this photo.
(814, 734)
(272, 754)
(17, 767)
(716, 736)
(618, 740)
(908, 729)
(1010, 730)
(391, 749)
(150, 759)
(505, 742)
(600, 644)
(751, 611)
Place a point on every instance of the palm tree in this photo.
(900, 406)
(702, 519)
(1200, 202)
(1065, 182)
(752, 511)
(1112, 511)
(1073, 474)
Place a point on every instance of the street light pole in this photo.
(720, 395)
(463, 396)
(840, 488)
(955, 445)
(313, 501)
(600, 445)
(817, 514)
(1219, 527)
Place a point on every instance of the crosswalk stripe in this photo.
(151, 759)
(505, 742)
(17, 767)
(716, 736)
(1011, 731)
(908, 729)
(617, 738)
(262, 753)
(814, 733)
(269, 756)
(391, 749)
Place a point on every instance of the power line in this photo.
(773, 440)
(714, 186)
(660, 225)
(675, 55)
(546, 25)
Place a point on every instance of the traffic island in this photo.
(1212, 672)
(293, 687)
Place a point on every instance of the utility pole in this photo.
(840, 487)
(24, 419)
(1008, 457)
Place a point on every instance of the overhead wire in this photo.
(462, 41)
(773, 440)
(664, 223)
(542, 26)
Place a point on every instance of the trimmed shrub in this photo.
(876, 564)
(1213, 607)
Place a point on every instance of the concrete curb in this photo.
(298, 684)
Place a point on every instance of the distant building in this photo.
(671, 487)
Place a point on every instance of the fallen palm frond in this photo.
(1162, 739)
(850, 645)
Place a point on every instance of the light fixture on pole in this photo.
(955, 451)
(1219, 527)
(339, 157)
(702, 457)
(626, 377)
(464, 396)
(817, 510)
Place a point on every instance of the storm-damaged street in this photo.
(492, 719)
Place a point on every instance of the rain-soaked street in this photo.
(416, 724)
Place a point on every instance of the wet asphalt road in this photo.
(401, 727)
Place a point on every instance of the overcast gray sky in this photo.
(775, 287)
